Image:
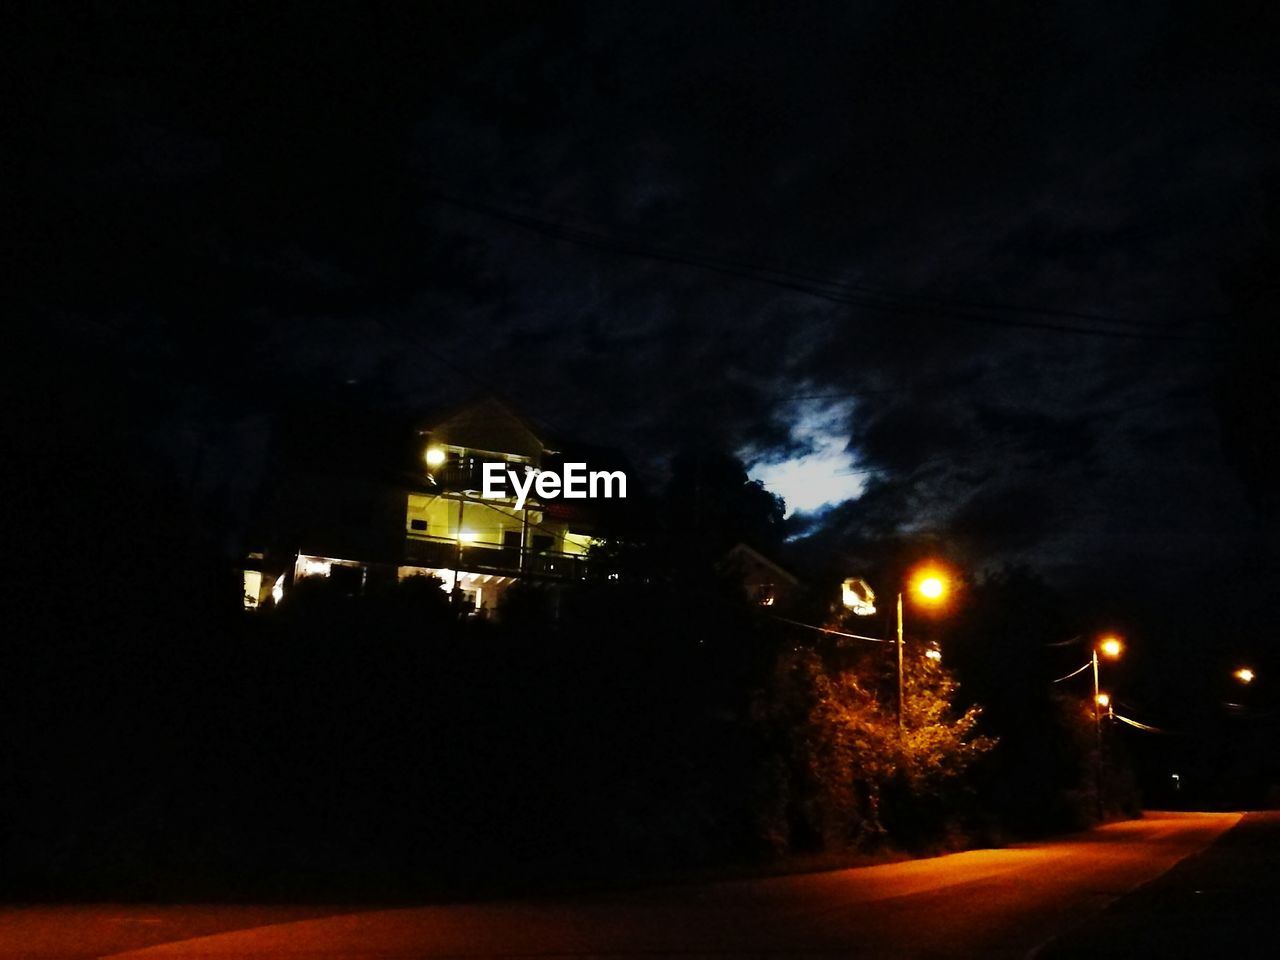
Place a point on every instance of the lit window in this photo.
(252, 589)
(311, 567)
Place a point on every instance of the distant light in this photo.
(767, 602)
(934, 654)
(1110, 647)
(277, 592)
(435, 456)
(1245, 675)
(1104, 700)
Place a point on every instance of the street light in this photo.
(931, 587)
(1244, 675)
(930, 584)
(1109, 646)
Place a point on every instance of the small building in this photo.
(764, 581)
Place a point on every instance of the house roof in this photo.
(487, 424)
(742, 553)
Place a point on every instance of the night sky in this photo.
(961, 271)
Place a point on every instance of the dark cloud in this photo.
(325, 194)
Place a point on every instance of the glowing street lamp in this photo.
(930, 585)
(1110, 646)
(435, 456)
(931, 588)
(1244, 675)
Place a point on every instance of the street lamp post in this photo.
(1097, 719)
(932, 586)
(1111, 647)
(929, 583)
(900, 685)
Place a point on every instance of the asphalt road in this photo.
(1037, 899)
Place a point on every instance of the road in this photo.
(1013, 902)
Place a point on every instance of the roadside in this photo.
(1223, 901)
(976, 905)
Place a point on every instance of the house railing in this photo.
(497, 559)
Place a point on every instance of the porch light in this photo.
(435, 456)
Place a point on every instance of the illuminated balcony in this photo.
(509, 560)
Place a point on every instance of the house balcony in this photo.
(442, 553)
(465, 474)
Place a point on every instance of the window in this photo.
(418, 525)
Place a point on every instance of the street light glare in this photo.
(1110, 647)
(1245, 675)
(930, 584)
(1104, 700)
(932, 587)
(435, 456)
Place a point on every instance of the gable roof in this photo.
(743, 554)
(487, 424)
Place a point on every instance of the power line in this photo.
(1145, 727)
(838, 633)
(824, 289)
(1075, 672)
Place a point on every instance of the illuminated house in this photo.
(452, 533)
(365, 514)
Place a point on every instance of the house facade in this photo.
(429, 518)
(482, 544)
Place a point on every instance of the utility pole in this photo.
(900, 685)
(1097, 737)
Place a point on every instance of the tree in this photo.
(841, 774)
(711, 504)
